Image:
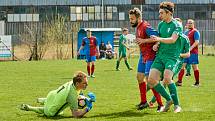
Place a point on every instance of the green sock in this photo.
(161, 90)
(126, 63)
(153, 100)
(188, 68)
(39, 110)
(173, 93)
(117, 64)
(147, 88)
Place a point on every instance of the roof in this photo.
(102, 29)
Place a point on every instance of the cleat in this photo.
(88, 76)
(196, 85)
(177, 109)
(141, 106)
(130, 69)
(178, 83)
(117, 69)
(93, 76)
(188, 74)
(160, 108)
(167, 106)
(24, 107)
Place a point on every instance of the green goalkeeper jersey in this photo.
(165, 31)
(61, 98)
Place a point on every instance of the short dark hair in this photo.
(167, 6)
(79, 77)
(136, 12)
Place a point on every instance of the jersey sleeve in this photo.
(178, 29)
(196, 36)
(150, 31)
(72, 100)
(187, 45)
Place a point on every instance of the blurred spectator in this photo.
(102, 49)
(109, 52)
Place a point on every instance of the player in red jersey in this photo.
(194, 36)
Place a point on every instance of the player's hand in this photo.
(78, 53)
(154, 37)
(155, 47)
(89, 104)
(98, 54)
(138, 41)
(92, 96)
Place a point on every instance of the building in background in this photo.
(102, 13)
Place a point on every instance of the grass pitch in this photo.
(117, 91)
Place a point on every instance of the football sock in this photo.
(180, 75)
(161, 90)
(153, 99)
(142, 88)
(88, 70)
(36, 109)
(158, 97)
(117, 64)
(126, 63)
(173, 93)
(196, 74)
(92, 69)
(147, 88)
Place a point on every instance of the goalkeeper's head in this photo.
(80, 80)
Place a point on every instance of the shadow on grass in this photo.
(128, 113)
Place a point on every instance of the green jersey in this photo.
(185, 47)
(122, 41)
(185, 43)
(165, 31)
(61, 98)
(122, 48)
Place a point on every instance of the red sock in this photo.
(88, 70)
(180, 75)
(142, 88)
(92, 69)
(158, 97)
(196, 74)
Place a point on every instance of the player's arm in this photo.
(124, 44)
(82, 47)
(79, 113)
(196, 38)
(150, 32)
(171, 39)
(186, 48)
(185, 55)
(168, 40)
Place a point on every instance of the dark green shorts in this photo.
(122, 53)
(165, 63)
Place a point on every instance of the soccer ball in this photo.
(81, 103)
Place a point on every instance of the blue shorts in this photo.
(90, 58)
(193, 59)
(144, 67)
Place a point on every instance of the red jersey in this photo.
(90, 45)
(193, 35)
(144, 30)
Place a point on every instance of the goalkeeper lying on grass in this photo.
(63, 97)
